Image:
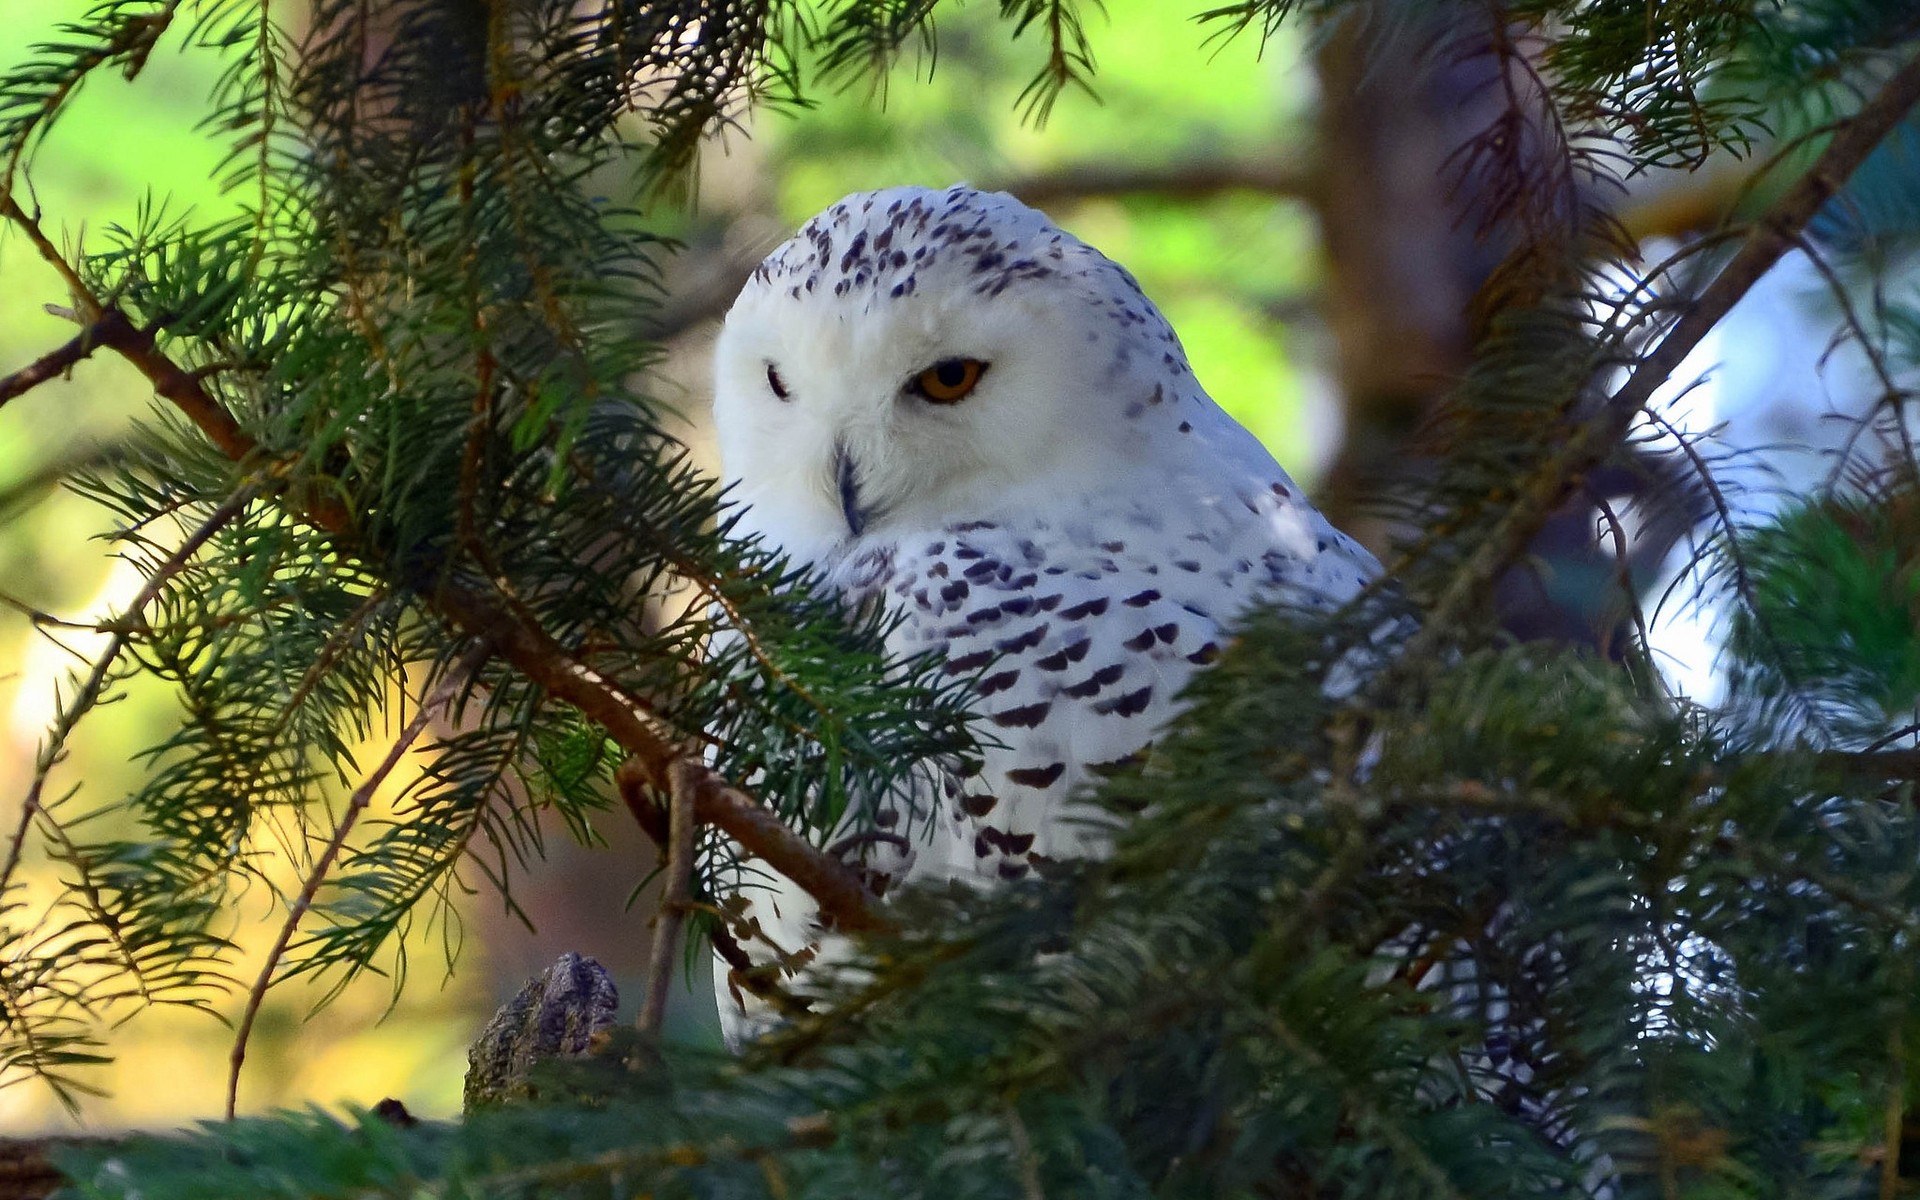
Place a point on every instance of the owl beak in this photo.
(847, 480)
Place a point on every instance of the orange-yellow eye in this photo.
(949, 380)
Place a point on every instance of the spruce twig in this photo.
(317, 874)
(92, 687)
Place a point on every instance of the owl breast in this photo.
(1078, 631)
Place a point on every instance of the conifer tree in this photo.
(1400, 907)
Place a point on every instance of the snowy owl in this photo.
(942, 401)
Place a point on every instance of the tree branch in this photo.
(707, 278)
(843, 899)
(1770, 236)
(51, 365)
(1180, 179)
(674, 899)
(317, 875)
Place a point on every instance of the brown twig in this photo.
(677, 895)
(317, 874)
(51, 365)
(172, 383)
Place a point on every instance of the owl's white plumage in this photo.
(1080, 531)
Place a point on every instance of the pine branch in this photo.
(124, 626)
(1771, 235)
(842, 897)
(317, 874)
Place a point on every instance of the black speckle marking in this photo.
(1121, 765)
(1092, 684)
(1060, 659)
(978, 805)
(1037, 777)
(1141, 599)
(999, 682)
(1025, 717)
(1079, 612)
(968, 662)
(1024, 641)
(1140, 642)
(1167, 633)
(955, 592)
(1205, 654)
(1128, 704)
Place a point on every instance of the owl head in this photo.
(914, 357)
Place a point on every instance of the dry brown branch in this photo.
(316, 875)
(675, 897)
(708, 278)
(51, 365)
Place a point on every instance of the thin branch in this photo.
(843, 899)
(678, 894)
(1623, 583)
(50, 254)
(178, 386)
(51, 365)
(1025, 1159)
(1889, 765)
(96, 681)
(708, 278)
(317, 874)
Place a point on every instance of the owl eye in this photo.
(778, 384)
(949, 380)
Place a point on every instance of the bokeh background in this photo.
(1287, 207)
